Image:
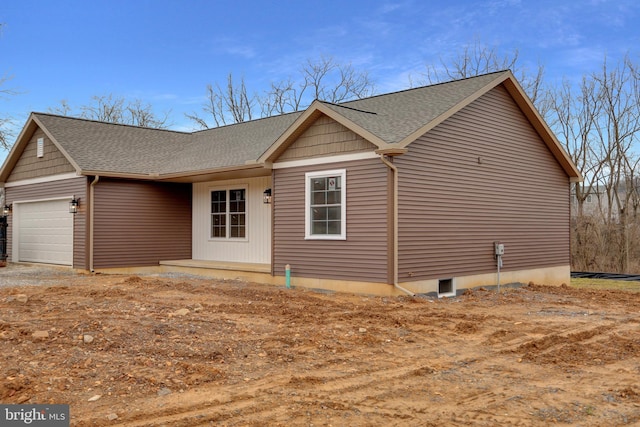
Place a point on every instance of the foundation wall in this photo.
(543, 276)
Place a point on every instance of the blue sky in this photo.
(166, 52)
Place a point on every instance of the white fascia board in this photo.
(326, 160)
(41, 180)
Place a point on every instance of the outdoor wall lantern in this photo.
(73, 205)
(6, 210)
(266, 196)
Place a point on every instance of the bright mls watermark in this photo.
(34, 415)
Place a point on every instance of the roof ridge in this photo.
(249, 121)
(84, 119)
(425, 86)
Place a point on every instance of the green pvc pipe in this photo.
(287, 275)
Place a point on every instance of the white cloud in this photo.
(234, 47)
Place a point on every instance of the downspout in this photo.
(394, 173)
(91, 216)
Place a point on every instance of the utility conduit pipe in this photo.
(287, 275)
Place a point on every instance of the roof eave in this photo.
(391, 151)
(183, 176)
(16, 150)
(541, 127)
(236, 168)
(21, 142)
(515, 90)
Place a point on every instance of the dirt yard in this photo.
(152, 351)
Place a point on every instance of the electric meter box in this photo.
(499, 248)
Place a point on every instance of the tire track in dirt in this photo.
(220, 403)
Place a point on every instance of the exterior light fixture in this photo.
(73, 205)
(266, 196)
(6, 210)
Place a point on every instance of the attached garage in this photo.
(43, 232)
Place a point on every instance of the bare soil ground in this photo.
(153, 351)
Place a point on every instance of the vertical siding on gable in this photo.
(363, 255)
(325, 137)
(481, 176)
(138, 223)
(30, 166)
(53, 190)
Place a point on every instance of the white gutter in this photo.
(394, 171)
(91, 216)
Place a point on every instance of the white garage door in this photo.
(45, 232)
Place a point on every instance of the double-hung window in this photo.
(325, 205)
(229, 214)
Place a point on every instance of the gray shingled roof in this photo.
(231, 145)
(399, 114)
(97, 146)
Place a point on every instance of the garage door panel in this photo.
(45, 232)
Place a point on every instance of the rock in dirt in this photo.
(181, 312)
(164, 391)
(112, 417)
(94, 398)
(40, 334)
(88, 339)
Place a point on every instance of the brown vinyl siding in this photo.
(30, 166)
(52, 190)
(140, 223)
(363, 255)
(481, 176)
(325, 137)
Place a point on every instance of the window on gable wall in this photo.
(325, 205)
(228, 214)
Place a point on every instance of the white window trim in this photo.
(452, 293)
(228, 238)
(343, 205)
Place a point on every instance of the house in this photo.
(607, 201)
(402, 192)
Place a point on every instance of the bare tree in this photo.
(5, 134)
(573, 117)
(599, 123)
(112, 109)
(226, 105)
(474, 59)
(330, 81)
(282, 98)
(477, 58)
(324, 79)
(573, 112)
(618, 90)
(5, 120)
